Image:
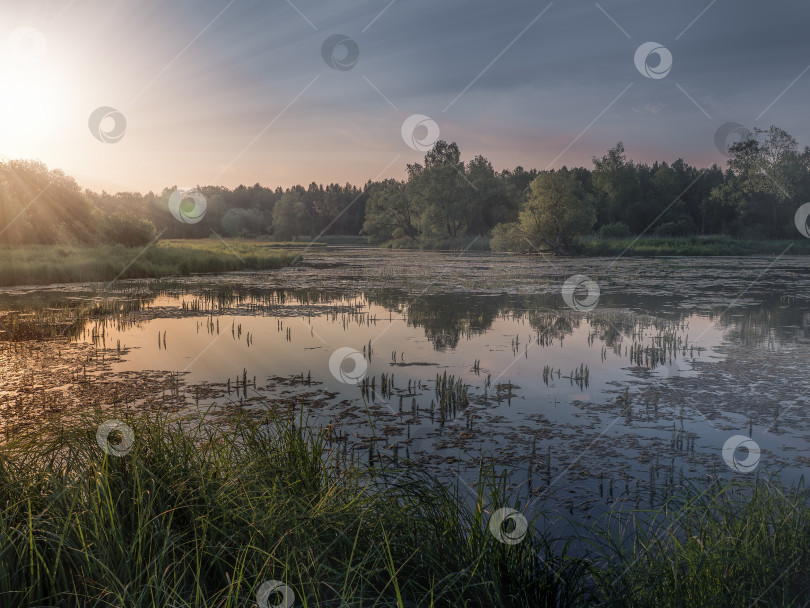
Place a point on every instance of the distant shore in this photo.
(46, 264)
(632, 246)
(690, 246)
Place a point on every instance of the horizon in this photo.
(236, 92)
(360, 184)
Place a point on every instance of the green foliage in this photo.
(724, 551)
(493, 199)
(508, 237)
(616, 230)
(43, 207)
(443, 201)
(767, 181)
(681, 227)
(441, 193)
(557, 211)
(128, 229)
(243, 222)
(697, 246)
(390, 212)
(615, 182)
(288, 217)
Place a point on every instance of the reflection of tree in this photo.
(771, 322)
(612, 328)
(551, 325)
(231, 295)
(49, 315)
(445, 318)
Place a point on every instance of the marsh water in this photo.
(454, 360)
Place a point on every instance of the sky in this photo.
(129, 95)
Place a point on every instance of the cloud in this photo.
(210, 81)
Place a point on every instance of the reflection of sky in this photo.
(747, 312)
(190, 347)
(214, 358)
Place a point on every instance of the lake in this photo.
(612, 397)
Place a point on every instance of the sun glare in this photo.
(31, 105)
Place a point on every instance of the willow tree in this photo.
(557, 211)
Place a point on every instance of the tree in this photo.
(390, 212)
(490, 203)
(243, 222)
(441, 192)
(766, 171)
(442, 199)
(287, 215)
(557, 211)
(42, 206)
(509, 237)
(127, 228)
(616, 184)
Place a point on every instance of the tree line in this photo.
(755, 197)
(441, 202)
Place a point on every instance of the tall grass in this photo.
(203, 518)
(42, 264)
(732, 545)
(202, 515)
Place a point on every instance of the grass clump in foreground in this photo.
(194, 516)
(43, 264)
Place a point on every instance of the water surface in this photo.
(677, 356)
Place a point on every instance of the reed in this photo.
(194, 516)
(201, 515)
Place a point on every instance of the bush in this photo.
(127, 229)
(616, 230)
(243, 222)
(508, 237)
(681, 227)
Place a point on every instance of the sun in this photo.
(31, 105)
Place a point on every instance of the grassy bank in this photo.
(644, 246)
(42, 264)
(199, 517)
(697, 246)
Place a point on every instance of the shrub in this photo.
(616, 230)
(508, 237)
(681, 227)
(127, 229)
